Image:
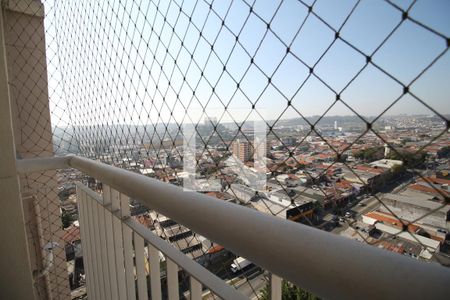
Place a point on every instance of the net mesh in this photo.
(338, 88)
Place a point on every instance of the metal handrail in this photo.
(327, 265)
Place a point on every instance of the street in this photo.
(249, 284)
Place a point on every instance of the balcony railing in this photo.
(327, 265)
(113, 260)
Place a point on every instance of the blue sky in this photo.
(118, 58)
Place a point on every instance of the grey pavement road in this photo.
(249, 285)
(252, 287)
(369, 204)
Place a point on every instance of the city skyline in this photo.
(312, 119)
(158, 90)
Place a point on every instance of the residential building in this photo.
(242, 150)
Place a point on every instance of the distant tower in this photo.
(241, 150)
(335, 125)
(387, 150)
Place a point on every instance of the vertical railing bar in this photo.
(172, 280)
(91, 227)
(88, 247)
(89, 244)
(155, 272)
(104, 250)
(124, 205)
(127, 249)
(100, 272)
(119, 250)
(113, 273)
(275, 287)
(106, 194)
(196, 289)
(84, 241)
(140, 266)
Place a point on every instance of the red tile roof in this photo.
(428, 189)
(71, 234)
(391, 247)
(343, 184)
(369, 169)
(389, 219)
(215, 249)
(435, 180)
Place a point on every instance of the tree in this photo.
(342, 158)
(410, 159)
(66, 219)
(288, 292)
(398, 169)
(444, 152)
(370, 154)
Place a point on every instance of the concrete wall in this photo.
(15, 275)
(27, 81)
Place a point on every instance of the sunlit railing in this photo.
(327, 265)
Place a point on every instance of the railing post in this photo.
(100, 253)
(118, 246)
(275, 287)
(123, 205)
(172, 280)
(111, 255)
(94, 254)
(104, 250)
(196, 289)
(86, 242)
(140, 266)
(155, 272)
